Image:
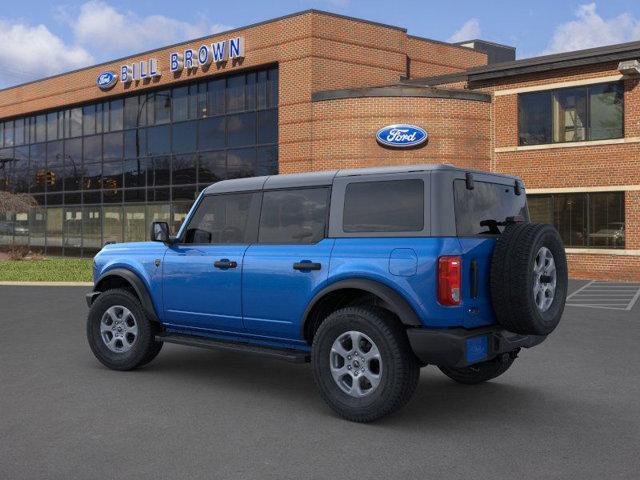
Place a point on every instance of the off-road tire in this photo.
(400, 369)
(480, 372)
(143, 350)
(512, 278)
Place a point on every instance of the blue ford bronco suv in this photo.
(368, 274)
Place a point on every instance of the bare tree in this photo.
(16, 202)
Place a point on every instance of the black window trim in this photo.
(551, 92)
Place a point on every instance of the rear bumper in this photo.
(458, 347)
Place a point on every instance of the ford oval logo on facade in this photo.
(106, 80)
(401, 136)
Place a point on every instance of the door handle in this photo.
(225, 263)
(307, 266)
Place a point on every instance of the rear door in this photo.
(290, 261)
(202, 275)
(480, 216)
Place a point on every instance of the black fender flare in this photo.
(396, 302)
(138, 285)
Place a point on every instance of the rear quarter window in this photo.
(478, 211)
(384, 206)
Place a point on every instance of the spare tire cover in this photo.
(528, 279)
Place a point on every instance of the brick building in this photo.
(108, 149)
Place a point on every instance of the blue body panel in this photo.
(139, 258)
(197, 294)
(274, 295)
(264, 298)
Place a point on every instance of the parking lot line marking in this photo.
(581, 288)
(597, 306)
(634, 300)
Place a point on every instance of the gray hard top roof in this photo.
(324, 178)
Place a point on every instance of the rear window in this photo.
(387, 206)
(481, 210)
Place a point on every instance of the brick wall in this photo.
(430, 58)
(344, 131)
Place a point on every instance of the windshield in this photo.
(485, 209)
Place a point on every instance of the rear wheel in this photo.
(119, 333)
(480, 372)
(363, 364)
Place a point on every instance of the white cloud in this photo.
(98, 32)
(28, 52)
(469, 31)
(589, 29)
(104, 29)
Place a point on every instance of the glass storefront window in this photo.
(587, 220)
(95, 167)
(593, 112)
(91, 229)
(37, 227)
(134, 223)
(72, 230)
(112, 224)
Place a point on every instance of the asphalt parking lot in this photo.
(568, 409)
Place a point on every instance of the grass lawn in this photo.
(47, 270)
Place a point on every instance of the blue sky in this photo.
(43, 37)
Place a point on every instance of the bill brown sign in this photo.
(189, 59)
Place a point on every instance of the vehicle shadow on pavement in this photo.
(438, 404)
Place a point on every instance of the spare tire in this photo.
(528, 279)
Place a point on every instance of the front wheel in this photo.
(119, 333)
(363, 364)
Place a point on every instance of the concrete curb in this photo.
(47, 284)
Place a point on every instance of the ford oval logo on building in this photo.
(401, 136)
(106, 80)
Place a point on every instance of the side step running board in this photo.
(294, 356)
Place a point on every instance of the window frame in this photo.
(325, 231)
(552, 92)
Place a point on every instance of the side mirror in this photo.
(160, 232)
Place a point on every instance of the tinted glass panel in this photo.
(212, 167)
(391, 206)
(268, 126)
(479, 211)
(606, 105)
(593, 112)
(184, 169)
(241, 129)
(184, 137)
(112, 145)
(158, 140)
(116, 115)
(235, 93)
(588, 220)
(222, 219)
(211, 133)
(534, 118)
(294, 216)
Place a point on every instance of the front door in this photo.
(202, 273)
(288, 264)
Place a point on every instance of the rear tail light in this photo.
(449, 273)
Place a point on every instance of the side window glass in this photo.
(294, 216)
(222, 219)
(384, 206)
